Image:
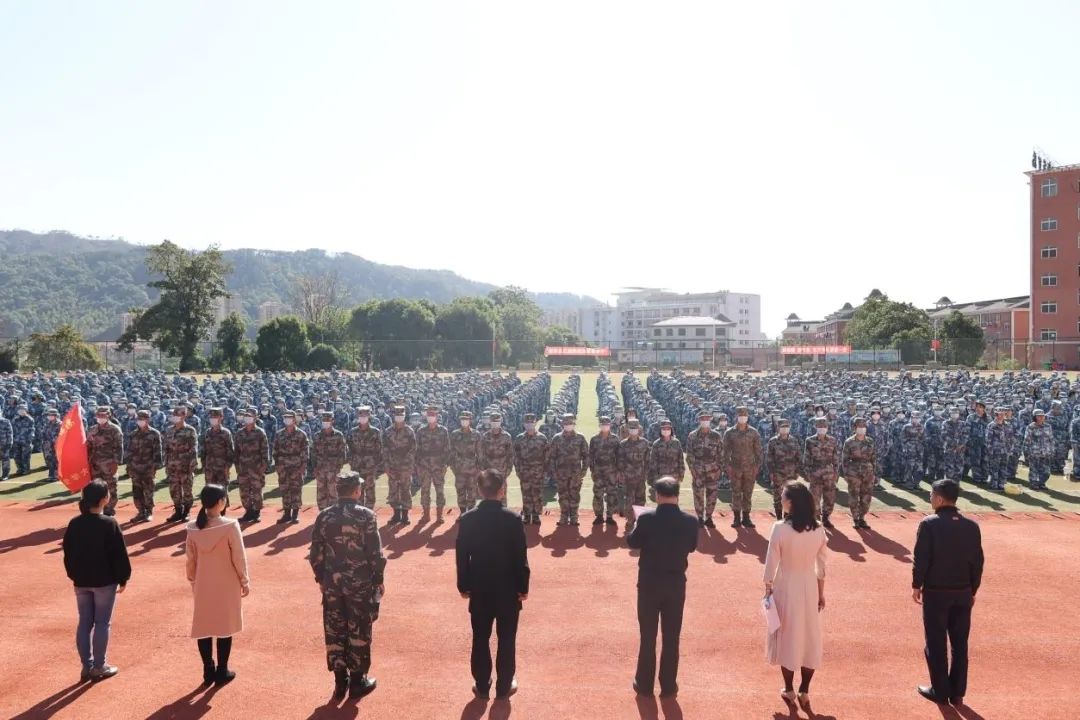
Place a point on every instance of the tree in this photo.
(230, 337)
(190, 284)
(9, 359)
(322, 357)
(883, 323)
(519, 324)
(396, 333)
(464, 330)
(282, 344)
(560, 336)
(63, 349)
(962, 338)
(315, 296)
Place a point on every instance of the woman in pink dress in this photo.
(217, 571)
(795, 578)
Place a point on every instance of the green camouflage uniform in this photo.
(251, 451)
(603, 452)
(568, 459)
(859, 456)
(291, 458)
(366, 458)
(432, 457)
(705, 452)
(530, 461)
(465, 462)
(330, 451)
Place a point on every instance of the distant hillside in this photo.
(53, 278)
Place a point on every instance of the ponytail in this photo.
(92, 495)
(201, 519)
(210, 496)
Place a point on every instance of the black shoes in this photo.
(503, 694)
(599, 520)
(404, 519)
(361, 686)
(825, 523)
(778, 511)
(185, 510)
(536, 519)
(928, 692)
(861, 524)
(737, 521)
(640, 691)
(709, 523)
(481, 691)
(293, 519)
(664, 694)
(341, 684)
(701, 521)
(208, 673)
(286, 516)
(746, 521)
(246, 517)
(178, 514)
(223, 676)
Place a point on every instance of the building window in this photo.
(1049, 187)
(1048, 335)
(1049, 308)
(699, 332)
(1048, 281)
(656, 332)
(1048, 224)
(1049, 252)
(682, 332)
(682, 346)
(721, 332)
(668, 332)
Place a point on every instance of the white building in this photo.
(567, 318)
(683, 340)
(271, 309)
(639, 309)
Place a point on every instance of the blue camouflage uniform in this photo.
(912, 451)
(935, 448)
(23, 431)
(1039, 451)
(7, 440)
(997, 451)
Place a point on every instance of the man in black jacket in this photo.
(945, 577)
(665, 537)
(493, 575)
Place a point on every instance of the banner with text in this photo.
(561, 351)
(814, 349)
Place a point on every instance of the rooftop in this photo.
(704, 321)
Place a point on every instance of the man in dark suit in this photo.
(945, 577)
(665, 537)
(493, 574)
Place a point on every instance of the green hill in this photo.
(56, 277)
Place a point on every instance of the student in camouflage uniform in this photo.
(632, 469)
(705, 453)
(432, 459)
(330, 451)
(666, 457)
(568, 460)
(366, 453)
(783, 458)
(399, 458)
(859, 458)
(1038, 450)
(181, 456)
(954, 434)
(105, 448)
(913, 449)
(530, 461)
(252, 451)
(742, 450)
(291, 450)
(819, 466)
(50, 431)
(217, 453)
(7, 441)
(465, 462)
(346, 556)
(603, 457)
(24, 433)
(1059, 422)
(997, 450)
(496, 447)
(145, 454)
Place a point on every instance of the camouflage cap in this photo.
(605, 420)
(215, 412)
(704, 415)
(665, 424)
(742, 410)
(348, 481)
(465, 415)
(494, 415)
(529, 417)
(399, 410)
(633, 424)
(568, 418)
(288, 414)
(432, 409)
(142, 414)
(784, 423)
(858, 421)
(326, 415)
(102, 409)
(364, 410)
(821, 422)
(1038, 413)
(54, 411)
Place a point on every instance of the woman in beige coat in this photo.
(795, 578)
(217, 571)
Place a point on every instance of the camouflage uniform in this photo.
(819, 466)
(465, 462)
(366, 455)
(217, 453)
(954, 434)
(24, 433)
(568, 460)
(145, 454)
(666, 458)
(291, 451)
(181, 455)
(783, 457)
(497, 449)
(49, 433)
(1059, 422)
(742, 451)
(6, 444)
(632, 468)
(997, 451)
(912, 450)
(530, 461)
(432, 458)
(399, 459)
(346, 556)
(859, 459)
(603, 458)
(105, 448)
(705, 452)
(330, 452)
(1039, 451)
(251, 447)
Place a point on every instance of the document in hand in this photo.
(772, 617)
(639, 510)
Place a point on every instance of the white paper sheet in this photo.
(772, 617)
(639, 510)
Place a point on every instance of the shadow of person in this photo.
(300, 538)
(841, 543)
(500, 709)
(563, 539)
(414, 539)
(55, 702)
(474, 709)
(881, 544)
(53, 503)
(173, 538)
(671, 709)
(446, 540)
(25, 486)
(967, 713)
(45, 536)
(647, 707)
(603, 539)
(195, 704)
(333, 711)
(751, 542)
(264, 534)
(711, 542)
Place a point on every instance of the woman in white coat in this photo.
(795, 578)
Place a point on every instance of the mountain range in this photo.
(47, 279)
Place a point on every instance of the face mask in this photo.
(214, 422)
(131, 412)
(327, 425)
(288, 421)
(141, 423)
(634, 432)
(568, 428)
(742, 419)
(399, 419)
(364, 419)
(265, 412)
(819, 413)
(530, 426)
(100, 420)
(955, 415)
(496, 424)
(432, 419)
(875, 417)
(665, 433)
(860, 431)
(178, 419)
(937, 413)
(310, 414)
(248, 420)
(722, 424)
(605, 428)
(465, 424)
(705, 424)
(785, 430)
(821, 431)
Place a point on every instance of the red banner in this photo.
(74, 464)
(555, 351)
(815, 349)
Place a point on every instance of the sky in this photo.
(808, 152)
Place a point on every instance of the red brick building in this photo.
(1055, 266)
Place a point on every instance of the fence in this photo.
(689, 353)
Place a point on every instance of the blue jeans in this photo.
(95, 613)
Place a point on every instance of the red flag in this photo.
(74, 464)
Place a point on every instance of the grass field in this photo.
(1062, 495)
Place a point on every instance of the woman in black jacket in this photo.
(96, 560)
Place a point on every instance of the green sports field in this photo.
(1062, 494)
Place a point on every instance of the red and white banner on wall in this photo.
(558, 351)
(815, 349)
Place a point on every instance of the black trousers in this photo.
(947, 621)
(660, 602)
(505, 618)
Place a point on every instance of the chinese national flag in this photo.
(74, 464)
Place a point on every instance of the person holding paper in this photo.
(665, 536)
(795, 583)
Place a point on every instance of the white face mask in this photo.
(568, 428)
(141, 423)
(288, 421)
(722, 424)
(131, 412)
(327, 425)
(496, 424)
(634, 432)
(954, 415)
(530, 426)
(742, 419)
(875, 417)
(365, 419)
(821, 431)
(178, 419)
(100, 420)
(399, 419)
(432, 419)
(248, 420)
(860, 431)
(605, 428)
(819, 413)
(465, 424)
(785, 430)
(214, 422)
(704, 424)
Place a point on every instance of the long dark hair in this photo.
(93, 494)
(803, 515)
(210, 496)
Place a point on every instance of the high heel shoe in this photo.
(788, 696)
(804, 703)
